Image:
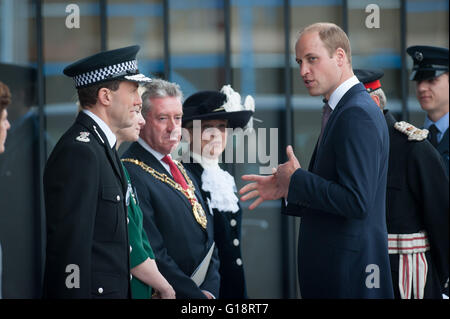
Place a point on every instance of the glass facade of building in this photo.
(201, 45)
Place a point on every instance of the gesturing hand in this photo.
(264, 188)
(270, 187)
(285, 171)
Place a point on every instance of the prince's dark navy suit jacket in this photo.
(342, 250)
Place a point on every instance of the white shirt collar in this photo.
(159, 156)
(441, 124)
(103, 126)
(337, 95)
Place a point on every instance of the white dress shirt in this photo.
(337, 95)
(156, 154)
(103, 126)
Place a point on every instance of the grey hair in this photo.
(381, 95)
(157, 89)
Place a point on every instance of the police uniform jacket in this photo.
(179, 242)
(417, 200)
(87, 241)
(227, 235)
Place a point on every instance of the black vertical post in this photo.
(288, 222)
(230, 167)
(103, 25)
(227, 24)
(404, 71)
(40, 216)
(166, 24)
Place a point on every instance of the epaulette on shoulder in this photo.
(83, 137)
(413, 133)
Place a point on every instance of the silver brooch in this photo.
(83, 137)
(129, 193)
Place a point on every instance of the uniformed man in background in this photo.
(430, 71)
(84, 187)
(417, 212)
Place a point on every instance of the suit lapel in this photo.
(313, 159)
(353, 90)
(196, 171)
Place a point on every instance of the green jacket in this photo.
(140, 248)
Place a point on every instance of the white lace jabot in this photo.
(219, 183)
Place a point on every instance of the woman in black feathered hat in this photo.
(207, 115)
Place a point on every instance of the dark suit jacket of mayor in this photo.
(86, 217)
(342, 249)
(178, 241)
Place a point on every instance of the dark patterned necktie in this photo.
(326, 111)
(433, 135)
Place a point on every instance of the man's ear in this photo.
(104, 96)
(376, 99)
(341, 57)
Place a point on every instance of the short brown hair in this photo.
(332, 36)
(5, 96)
(88, 96)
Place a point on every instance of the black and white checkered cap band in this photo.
(111, 71)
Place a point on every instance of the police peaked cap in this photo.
(429, 62)
(118, 64)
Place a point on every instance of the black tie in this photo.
(326, 111)
(433, 135)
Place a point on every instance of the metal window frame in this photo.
(41, 228)
(166, 29)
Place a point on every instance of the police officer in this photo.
(416, 205)
(430, 71)
(87, 242)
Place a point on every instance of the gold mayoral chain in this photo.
(197, 209)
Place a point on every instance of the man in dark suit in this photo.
(416, 205)
(430, 71)
(87, 241)
(180, 232)
(342, 249)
